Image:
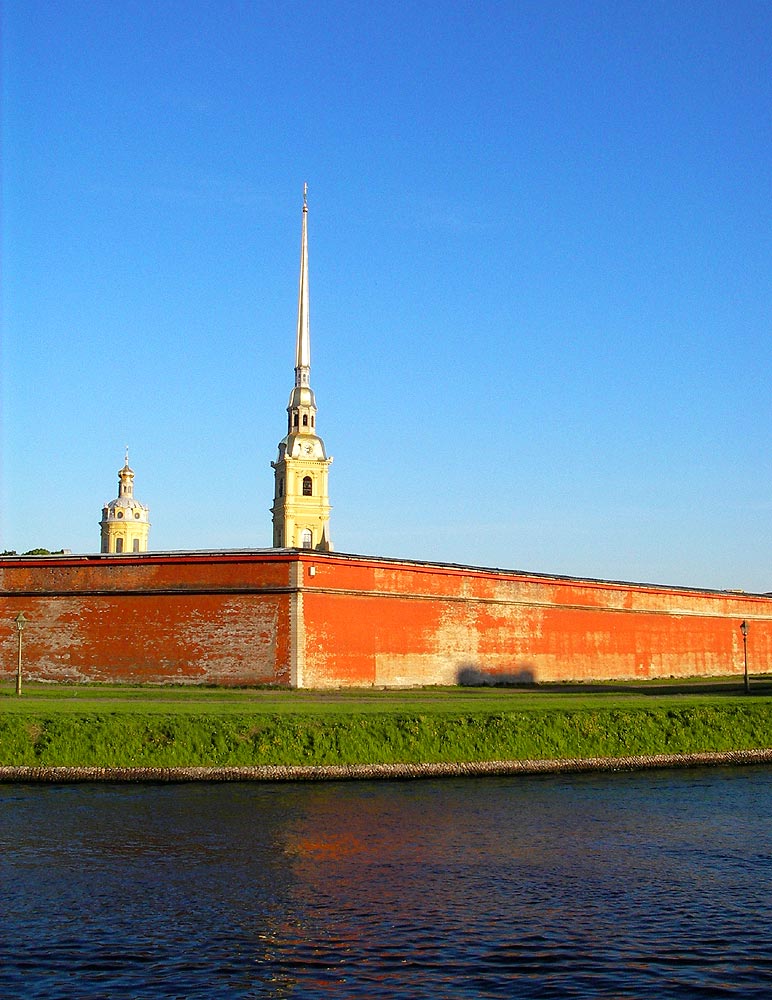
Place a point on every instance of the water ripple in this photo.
(608, 886)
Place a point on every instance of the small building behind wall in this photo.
(125, 524)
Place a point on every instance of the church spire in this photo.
(303, 339)
(301, 504)
(302, 404)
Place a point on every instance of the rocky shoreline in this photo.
(369, 772)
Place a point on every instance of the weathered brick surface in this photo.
(385, 622)
(225, 618)
(214, 619)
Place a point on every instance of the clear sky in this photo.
(541, 290)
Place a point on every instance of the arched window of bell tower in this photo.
(305, 420)
(306, 538)
(294, 419)
(308, 486)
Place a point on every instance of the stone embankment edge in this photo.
(366, 772)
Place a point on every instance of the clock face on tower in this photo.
(308, 449)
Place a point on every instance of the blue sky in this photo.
(540, 239)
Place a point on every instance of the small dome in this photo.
(301, 395)
(124, 503)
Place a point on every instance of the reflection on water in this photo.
(628, 885)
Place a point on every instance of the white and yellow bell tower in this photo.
(125, 521)
(301, 503)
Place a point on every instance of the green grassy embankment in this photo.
(102, 726)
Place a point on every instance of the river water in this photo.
(655, 884)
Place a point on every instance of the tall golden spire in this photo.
(303, 339)
(301, 505)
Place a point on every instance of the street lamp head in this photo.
(744, 628)
(21, 621)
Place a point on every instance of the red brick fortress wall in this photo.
(206, 618)
(383, 622)
(296, 618)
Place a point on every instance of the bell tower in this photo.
(125, 521)
(301, 503)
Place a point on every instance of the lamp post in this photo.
(744, 630)
(21, 621)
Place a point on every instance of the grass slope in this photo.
(188, 727)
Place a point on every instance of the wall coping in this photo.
(308, 557)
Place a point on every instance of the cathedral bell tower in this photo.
(301, 503)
